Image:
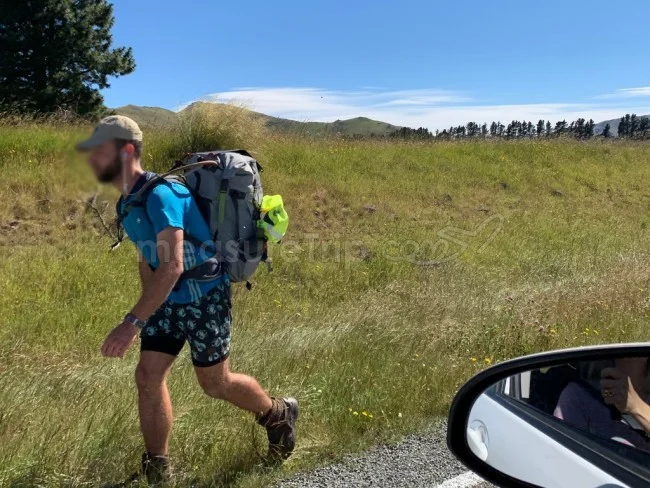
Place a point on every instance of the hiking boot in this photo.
(280, 424)
(155, 469)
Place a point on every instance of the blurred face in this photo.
(106, 162)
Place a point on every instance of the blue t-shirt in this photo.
(170, 204)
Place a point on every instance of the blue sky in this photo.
(407, 62)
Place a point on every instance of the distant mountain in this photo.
(148, 116)
(613, 125)
(359, 126)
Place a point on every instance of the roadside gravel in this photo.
(421, 460)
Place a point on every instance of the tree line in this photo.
(630, 127)
(633, 127)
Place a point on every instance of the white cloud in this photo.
(434, 109)
(643, 91)
(316, 102)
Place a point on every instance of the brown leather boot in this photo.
(280, 424)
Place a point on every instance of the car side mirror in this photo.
(576, 417)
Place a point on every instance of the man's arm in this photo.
(156, 287)
(159, 283)
(144, 270)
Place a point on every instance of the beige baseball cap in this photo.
(112, 127)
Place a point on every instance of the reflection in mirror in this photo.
(607, 399)
(616, 407)
(567, 415)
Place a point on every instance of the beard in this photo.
(111, 172)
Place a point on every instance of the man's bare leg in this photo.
(154, 403)
(277, 415)
(239, 389)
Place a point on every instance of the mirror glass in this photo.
(567, 425)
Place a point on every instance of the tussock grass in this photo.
(372, 344)
(204, 127)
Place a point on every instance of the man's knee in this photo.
(148, 377)
(215, 385)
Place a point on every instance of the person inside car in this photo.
(619, 411)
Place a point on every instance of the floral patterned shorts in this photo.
(204, 324)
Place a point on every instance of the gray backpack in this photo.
(227, 188)
(229, 196)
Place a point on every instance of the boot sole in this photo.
(294, 412)
(293, 407)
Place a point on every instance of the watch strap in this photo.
(132, 319)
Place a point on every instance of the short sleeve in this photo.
(165, 208)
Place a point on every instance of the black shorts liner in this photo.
(171, 346)
(200, 364)
(167, 345)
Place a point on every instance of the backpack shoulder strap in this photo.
(119, 217)
(175, 174)
(122, 210)
(118, 208)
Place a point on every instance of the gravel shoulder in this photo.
(421, 460)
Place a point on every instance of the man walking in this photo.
(166, 225)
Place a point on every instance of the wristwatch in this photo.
(132, 319)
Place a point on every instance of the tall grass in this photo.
(379, 307)
(204, 127)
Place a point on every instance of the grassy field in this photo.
(408, 268)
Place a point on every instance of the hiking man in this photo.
(167, 228)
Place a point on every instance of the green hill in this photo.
(148, 116)
(359, 126)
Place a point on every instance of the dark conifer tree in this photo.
(607, 131)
